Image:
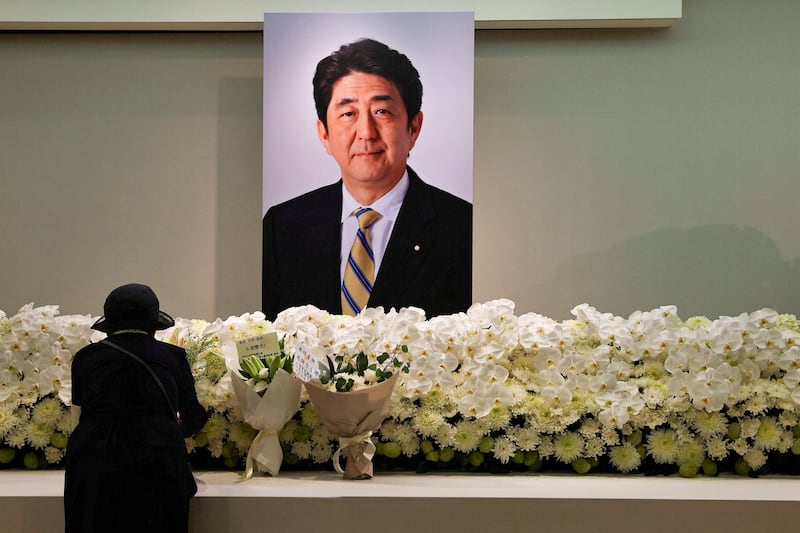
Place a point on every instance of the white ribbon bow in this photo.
(346, 442)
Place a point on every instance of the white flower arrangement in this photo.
(485, 390)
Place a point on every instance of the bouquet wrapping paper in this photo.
(267, 414)
(352, 417)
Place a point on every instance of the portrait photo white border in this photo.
(440, 45)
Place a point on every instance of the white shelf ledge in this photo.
(324, 484)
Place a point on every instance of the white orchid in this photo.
(527, 377)
(425, 373)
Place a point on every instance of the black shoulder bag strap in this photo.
(172, 409)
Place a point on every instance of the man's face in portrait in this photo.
(368, 132)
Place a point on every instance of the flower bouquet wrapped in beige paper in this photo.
(352, 417)
(268, 395)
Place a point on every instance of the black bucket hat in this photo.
(132, 306)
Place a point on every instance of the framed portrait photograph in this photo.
(368, 139)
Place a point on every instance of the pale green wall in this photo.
(624, 168)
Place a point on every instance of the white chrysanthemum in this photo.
(504, 449)
(650, 418)
(755, 458)
(662, 446)
(697, 322)
(717, 448)
(750, 427)
(777, 391)
(756, 405)
(216, 429)
(574, 411)
(408, 440)
(526, 438)
(589, 427)
(654, 394)
(389, 429)
(787, 419)
(302, 449)
(568, 446)
(427, 422)
(38, 434)
(16, 438)
(53, 455)
(691, 453)
(610, 435)
(787, 321)
(741, 446)
(679, 404)
(736, 410)
(710, 424)
(191, 444)
(435, 399)
(546, 447)
(64, 423)
(769, 434)
(625, 457)
(445, 435)
(499, 416)
(28, 396)
(10, 417)
(47, 411)
(321, 453)
(467, 436)
(309, 416)
(532, 403)
(525, 376)
(321, 435)
(681, 429)
(786, 442)
(242, 435)
(786, 404)
(215, 448)
(402, 408)
(594, 447)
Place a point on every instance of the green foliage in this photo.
(251, 367)
(342, 369)
(197, 346)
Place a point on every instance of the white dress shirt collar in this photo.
(387, 205)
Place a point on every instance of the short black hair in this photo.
(370, 57)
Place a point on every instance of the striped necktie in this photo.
(359, 273)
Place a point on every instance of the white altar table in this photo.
(406, 502)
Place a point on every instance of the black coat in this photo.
(427, 263)
(126, 465)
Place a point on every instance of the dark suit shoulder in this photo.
(417, 185)
(424, 200)
(308, 201)
(449, 201)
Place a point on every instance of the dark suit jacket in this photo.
(427, 263)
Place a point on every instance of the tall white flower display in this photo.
(484, 390)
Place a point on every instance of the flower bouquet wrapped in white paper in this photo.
(269, 395)
(352, 415)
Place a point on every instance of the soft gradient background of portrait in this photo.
(441, 47)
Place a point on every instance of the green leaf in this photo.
(362, 362)
(330, 366)
(274, 364)
(251, 366)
